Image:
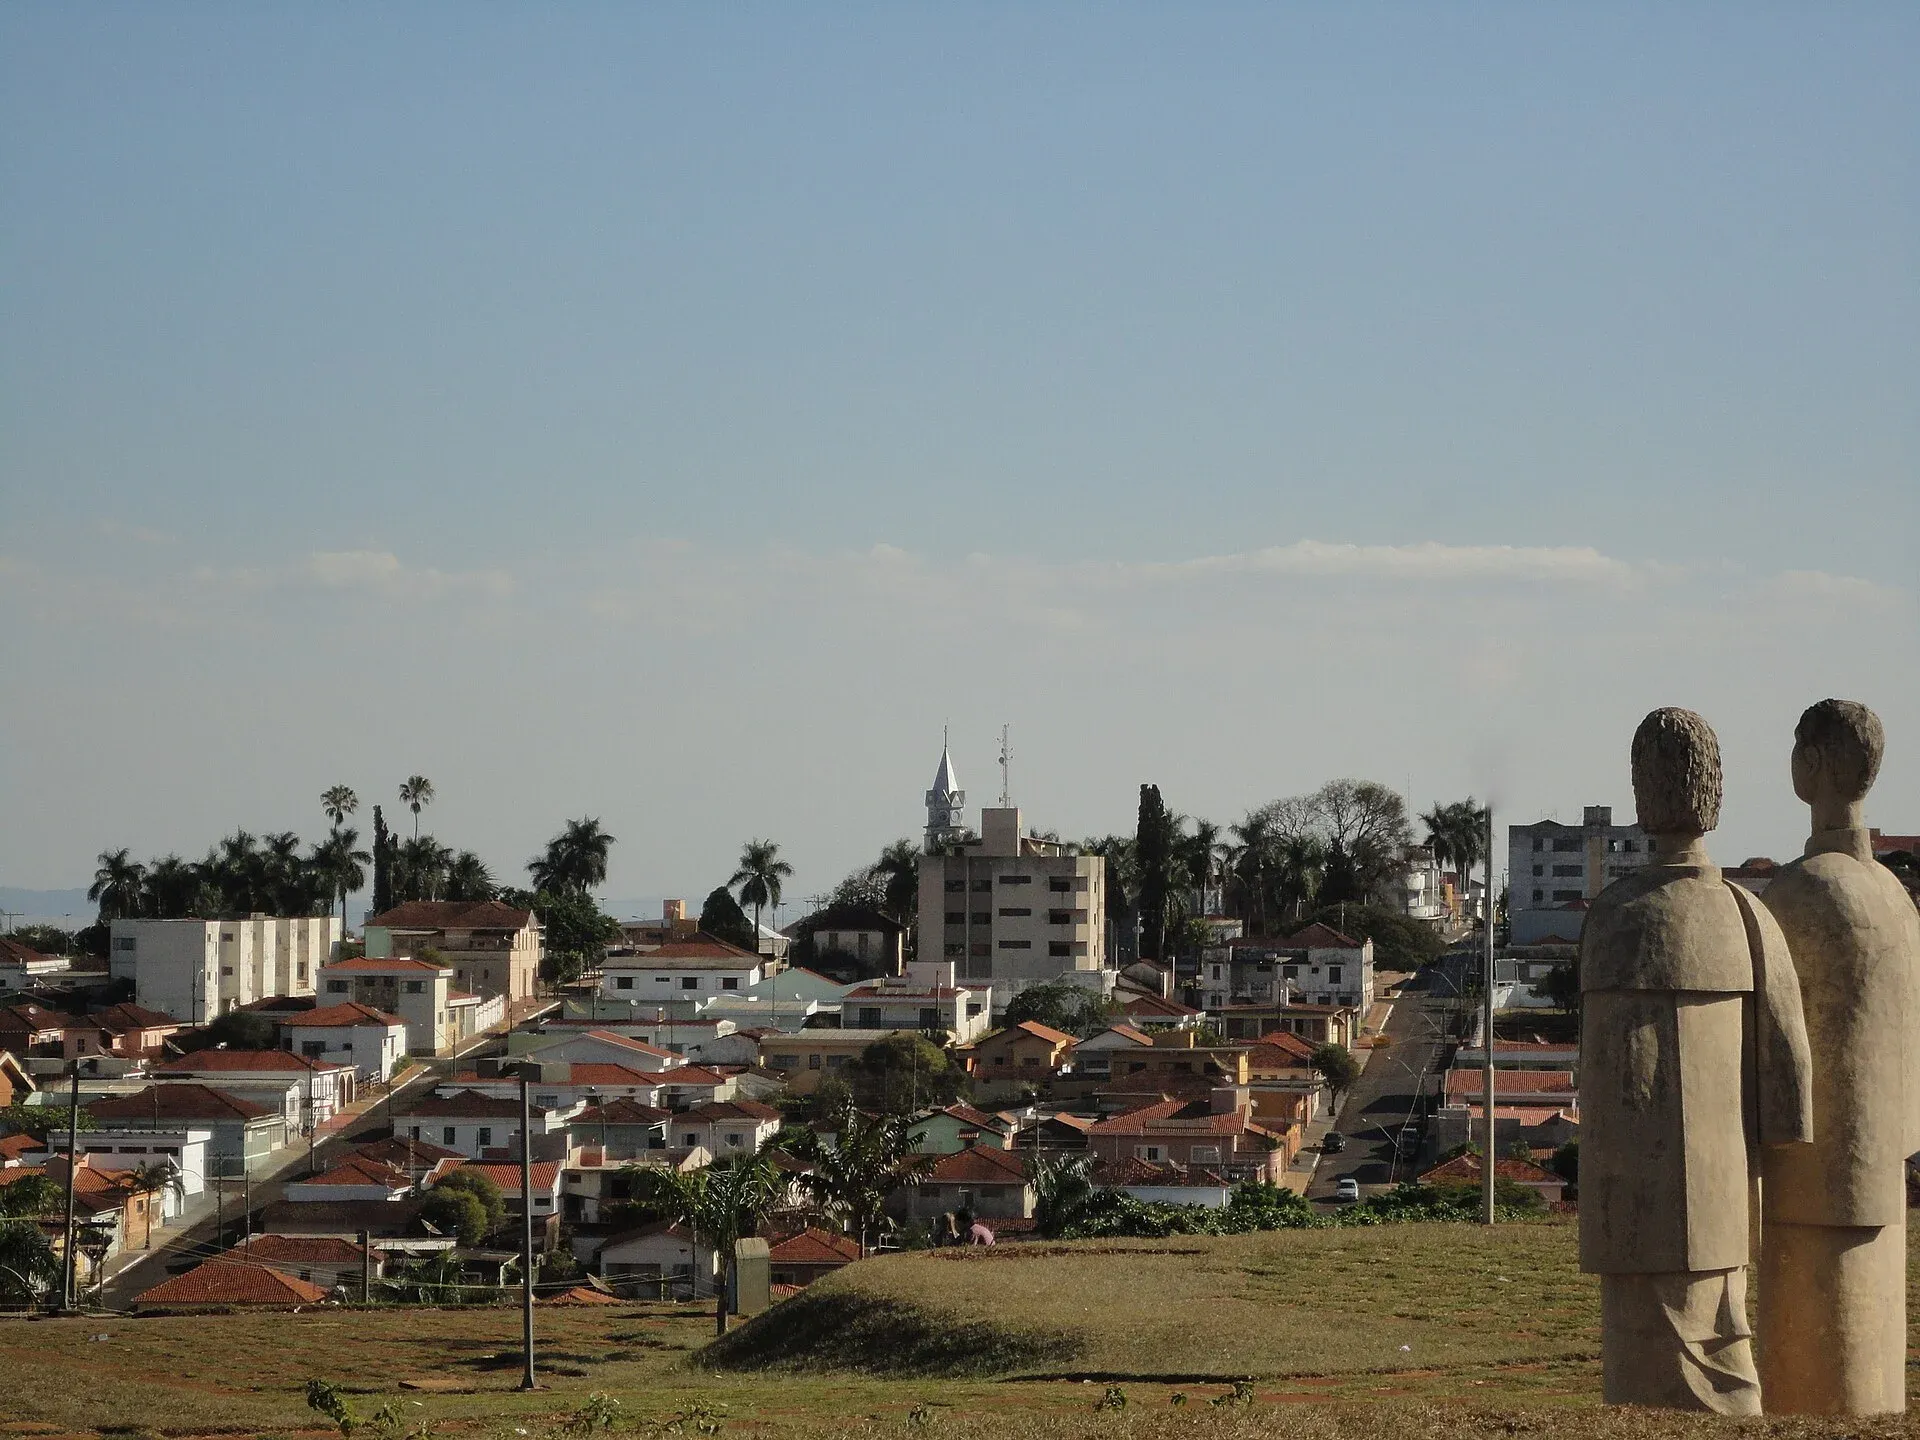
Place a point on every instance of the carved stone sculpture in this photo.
(1693, 1055)
(1833, 1271)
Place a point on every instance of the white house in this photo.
(308, 1092)
(725, 1127)
(544, 1176)
(1093, 1056)
(907, 1002)
(475, 1123)
(681, 970)
(194, 970)
(605, 1047)
(184, 1150)
(657, 1262)
(371, 1041)
(562, 1084)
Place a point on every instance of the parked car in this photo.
(1332, 1143)
(1347, 1189)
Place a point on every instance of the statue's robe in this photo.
(1833, 1312)
(1693, 1055)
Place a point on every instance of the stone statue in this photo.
(1833, 1257)
(1693, 1054)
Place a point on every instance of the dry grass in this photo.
(1318, 1315)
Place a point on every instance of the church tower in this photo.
(946, 804)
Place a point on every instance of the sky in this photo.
(680, 414)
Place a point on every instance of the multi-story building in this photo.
(682, 971)
(1555, 870)
(1012, 910)
(194, 970)
(494, 949)
(420, 992)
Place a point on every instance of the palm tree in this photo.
(870, 1157)
(898, 871)
(759, 876)
(1299, 867)
(1063, 1190)
(339, 801)
(1201, 853)
(721, 1205)
(468, 878)
(1254, 862)
(172, 888)
(156, 1179)
(575, 860)
(343, 866)
(117, 885)
(416, 791)
(420, 868)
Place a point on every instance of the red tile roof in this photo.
(1471, 1083)
(1465, 1169)
(298, 1250)
(451, 915)
(689, 1075)
(178, 1101)
(1134, 1171)
(621, 1111)
(463, 1104)
(969, 1115)
(128, 1016)
(1287, 1041)
(627, 1042)
(334, 1017)
(362, 1170)
(701, 947)
(12, 1147)
(361, 965)
(1037, 1030)
(13, 952)
(579, 1295)
(881, 992)
(1175, 1117)
(232, 1282)
(396, 1151)
(544, 1175)
(1153, 1005)
(246, 1062)
(1319, 936)
(606, 1072)
(734, 1110)
(980, 1164)
(814, 1247)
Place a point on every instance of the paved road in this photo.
(203, 1234)
(1388, 1091)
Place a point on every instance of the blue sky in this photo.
(677, 413)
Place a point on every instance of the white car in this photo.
(1347, 1189)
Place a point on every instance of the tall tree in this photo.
(759, 875)
(117, 885)
(382, 864)
(1200, 855)
(1252, 862)
(721, 1205)
(1153, 844)
(869, 1158)
(468, 878)
(175, 889)
(898, 871)
(1299, 867)
(339, 802)
(342, 864)
(420, 868)
(575, 859)
(721, 918)
(416, 791)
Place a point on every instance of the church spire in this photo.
(946, 802)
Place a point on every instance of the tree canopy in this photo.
(1072, 1008)
(723, 919)
(904, 1073)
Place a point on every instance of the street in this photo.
(1386, 1097)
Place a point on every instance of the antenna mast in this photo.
(1006, 760)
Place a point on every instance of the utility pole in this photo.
(526, 1232)
(366, 1266)
(313, 1130)
(1487, 1160)
(71, 1257)
(246, 1190)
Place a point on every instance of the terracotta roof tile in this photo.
(298, 1250)
(1465, 1169)
(465, 1103)
(361, 965)
(1320, 936)
(814, 1247)
(978, 1164)
(245, 1062)
(1544, 1083)
(232, 1282)
(452, 915)
(334, 1017)
(178, 1101)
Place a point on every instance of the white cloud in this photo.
(1429, 560)
(380, 572)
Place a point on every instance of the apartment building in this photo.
(1555, 870)
(494, 949)
(420, 992)
(697, 968)
(195, 970)
(1012, 910)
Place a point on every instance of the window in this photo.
(1333, 974)
(1203, 1155)
(1015, 911)
(689, 982)
(730, 982)
(1539, 895)
(1289, 972)
(784, 1062)
(870, 1017)
(1571, 844)
(1567, 895)
(415, 987)
(956, 917)
(336, 987)
(733, 1142)
(226, 969)
(546, 1102)
(1057, 917)
(414, 1130)
(1059, 947)
(1629, 847)
(1060, 884)
(313, 1048)
(483, 1136)
(1016, 879)
(689, 1140)
(1539, 870)
(1153, 1153)
(982, 885)
(954, 885)
(1567, 872)
(929, 1018)
(955, 949)
(1538, 844)
(981, 947)
(624, 982)
(448, 1136)
(813, 1061)
(124, 942)
(983, 917)
(1016, 944)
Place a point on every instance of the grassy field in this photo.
(1016, 1344)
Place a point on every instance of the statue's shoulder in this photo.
(1827, 880)
(1666, 927)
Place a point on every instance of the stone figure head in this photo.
(1836, 752)
(1676, 773)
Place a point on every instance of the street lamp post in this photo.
(1487, 1161)
(527, 1381)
